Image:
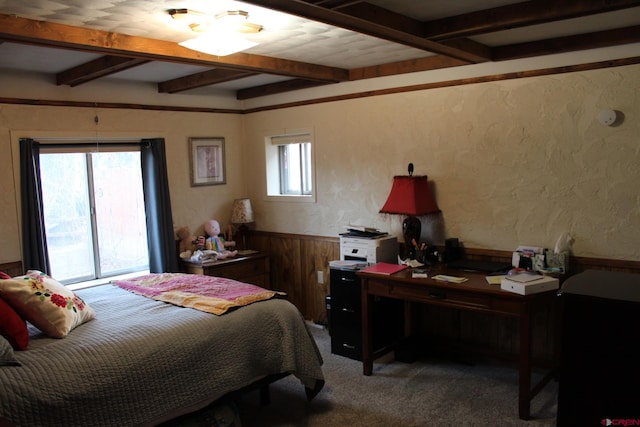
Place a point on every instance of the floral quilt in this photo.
(211, 294)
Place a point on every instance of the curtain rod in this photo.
(89, 144)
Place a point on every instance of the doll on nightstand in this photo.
(216, 242)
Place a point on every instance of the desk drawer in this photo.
(346, 325)
(432, 295)
(346, 342)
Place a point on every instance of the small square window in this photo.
(294, 164)
(290, 166)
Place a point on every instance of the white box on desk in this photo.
(543, 284)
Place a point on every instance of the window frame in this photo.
(82, 146)
(274, 176)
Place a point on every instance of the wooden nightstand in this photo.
(252, 269)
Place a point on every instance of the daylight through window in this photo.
(94, 214)
(290, 165)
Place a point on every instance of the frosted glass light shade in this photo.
(215, 44)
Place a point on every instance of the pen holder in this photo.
(428, 255)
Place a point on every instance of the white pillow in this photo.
(45, 303)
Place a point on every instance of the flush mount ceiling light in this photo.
(216, 44)
(221, 34)
(229, 20)
(238, 21)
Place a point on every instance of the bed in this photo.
(141, 361)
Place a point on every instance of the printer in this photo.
(369, 249)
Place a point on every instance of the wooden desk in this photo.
(475, 295)
(254, 269)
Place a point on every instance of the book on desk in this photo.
(384, 268)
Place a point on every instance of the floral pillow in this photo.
(45, 303)
(13, 327)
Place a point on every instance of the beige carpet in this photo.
(430, 392)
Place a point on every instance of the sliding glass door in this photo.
(94, 214)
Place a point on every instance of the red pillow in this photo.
(13, 327)
(4, 275)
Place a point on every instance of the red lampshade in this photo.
(410, 195)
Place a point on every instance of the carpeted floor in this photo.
(429, 392)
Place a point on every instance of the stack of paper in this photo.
(495, 280)
(452, 279)
(348, 264)
(364, 228)
(418, 273)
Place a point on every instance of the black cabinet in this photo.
(600, 368)
(346, 316)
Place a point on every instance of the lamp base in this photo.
(411, 229)
(242, 231)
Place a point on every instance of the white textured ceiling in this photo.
(283, 36)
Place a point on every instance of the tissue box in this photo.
(543, 284)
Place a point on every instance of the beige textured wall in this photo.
(191, 205)
(513, 162)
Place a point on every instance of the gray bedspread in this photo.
(141, 362)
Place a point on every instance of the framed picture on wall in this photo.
(207, 161)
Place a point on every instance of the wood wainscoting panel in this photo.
(295, 262)
(296, 259)
(286, 269)
(316, 257)
(13, 268)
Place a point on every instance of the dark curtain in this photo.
(34, 240)
(163, 256)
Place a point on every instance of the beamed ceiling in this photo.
(304, 43)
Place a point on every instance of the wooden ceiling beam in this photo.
(401, 67)
(50, 34)
(518, 15)
(334, 4)
(474, 52)
(205, 78)
(279, 87)
(477, 52)
(434, 62)
(97, 68)
(384, 17)
(568, 43)
(380, 23)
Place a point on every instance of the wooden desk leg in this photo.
(367, 333)
(408, 319)
(524, 380)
